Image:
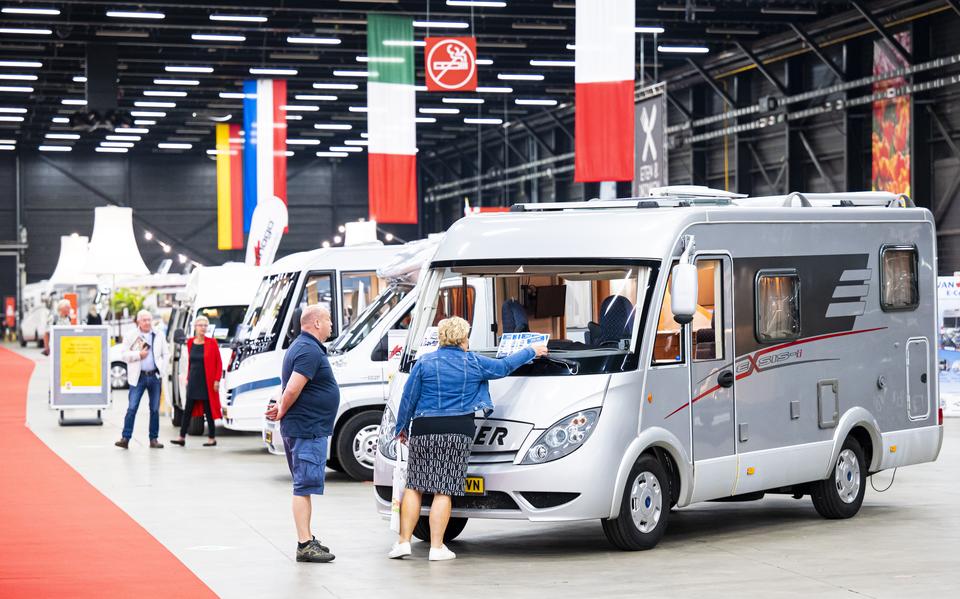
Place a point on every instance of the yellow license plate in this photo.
(269, 437)
(474, 486)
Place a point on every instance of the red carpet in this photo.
(60, 537)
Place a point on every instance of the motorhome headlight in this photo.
(386, 441)
(562, 438)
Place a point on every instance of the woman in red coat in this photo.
(203, 379)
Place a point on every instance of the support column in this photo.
(698, 155)
(743, 180)
(794, 152)
(921, 130)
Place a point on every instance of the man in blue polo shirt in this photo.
(306, 411)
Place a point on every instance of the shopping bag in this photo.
(399, 484)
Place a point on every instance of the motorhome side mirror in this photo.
(179, 336)
(293, 331)
(683, 292)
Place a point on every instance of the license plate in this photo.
(474, 486)
(269, 437)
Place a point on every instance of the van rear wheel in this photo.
(644, 508)
(841, 495)
(454, 527)
(357, 444)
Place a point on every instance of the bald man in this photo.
(306, 411)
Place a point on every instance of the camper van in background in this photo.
(35, 307)
(345, 278)
(734, 347)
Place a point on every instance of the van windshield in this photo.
(590, 310)
(263, 319)
(224, 320)
(370, 318)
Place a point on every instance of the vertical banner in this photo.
(650, 158)
(890, 140)
(265, 144)
(229, 187)
(10, 311)
(604, 76)
(450, 64)
(267, 227)
(391, 120)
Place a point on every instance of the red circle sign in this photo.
(451, 64)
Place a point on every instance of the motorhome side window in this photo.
(317, 290)
(707, 331)
(778, 305)
(357, 291)
(898, 278)
(668, 343)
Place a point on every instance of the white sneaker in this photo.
(441, 554)
(399, 551)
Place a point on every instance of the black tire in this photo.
(652, 505)
(840, 496)
(196, 426)
(362, 429)
(454, 528)
(334, 464)
(23, 342)
(177, 419)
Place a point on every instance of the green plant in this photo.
(127, 298)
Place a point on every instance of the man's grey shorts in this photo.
(307, 459)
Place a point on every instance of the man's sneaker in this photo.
(441, 554)
(315, 553)
(154, 444)
(399, 551)
(124, 443)
(324, 547)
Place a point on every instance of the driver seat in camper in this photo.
(616, 321)
(514, 317)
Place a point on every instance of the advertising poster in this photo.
(650, 157)
(948, 348)
(80, 364)
(890, 141)
(511, 343)
(79, 367)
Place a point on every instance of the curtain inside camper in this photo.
(778, 307)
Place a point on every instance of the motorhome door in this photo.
(712, 377)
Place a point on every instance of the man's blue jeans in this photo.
(150, 384)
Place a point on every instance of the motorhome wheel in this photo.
(454, 528)
(644, 508)
(841, 495)
(357, 444)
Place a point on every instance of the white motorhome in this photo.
(738, 346)
(366, 356)
(345, 278)
(35, 312)
(222, 294)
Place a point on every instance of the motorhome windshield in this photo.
(224, 321)
(591, 311)
(264, 317)
(370, 318)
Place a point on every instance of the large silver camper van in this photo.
(703, 346)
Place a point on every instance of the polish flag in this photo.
(604, 76)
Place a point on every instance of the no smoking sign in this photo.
(451, 63)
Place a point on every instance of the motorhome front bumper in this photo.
(247, 403)
(272, 438)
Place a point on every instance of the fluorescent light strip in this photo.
(356, 142)
(111, 150)
(217, 37)
(122, 130)
(49, 12)
(60, 120)
(125, 14)
(381, 59)
(16, 89)
(173, 146)
(648, 29)
(315, 98)
(6, 147)
(239, 18)
(483, 121)
(8, 141)
(357, 109)
(426, 119)
(303, 142)
(187, 69)
(333, 154)
(269, 71)
(11, 119)
(24, 31)
(55, 148)
(439, 110)
(21, 64)
(116, 144)
(420, 88)
(462, 100)
(552, 63)
(683, 49)
(62, 136)
(144, 122)
(345, 149)
(299, 108)
(494, 90)
(235, 95)
(322, 41)
(534, 102)
(404, 43)
(519, 77)
(12, 110)
(158, 93)
(176, 82)
(79, 79)
(483, 62)
(440, 25)
(148, 113)
(335, 86)
(333, 126)
(341, 73)
(73, 102)
(142, 104)
(477, 3)
(122, 137)
(18, 77)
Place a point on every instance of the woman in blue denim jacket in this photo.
(445, 390)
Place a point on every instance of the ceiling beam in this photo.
(878, 26)
(712, 83)
(818, 51)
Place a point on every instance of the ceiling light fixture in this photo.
(303, 142)
(322, 41)
(148, 114)
(648, 29)
(482, 121)
(405, 43)
(315, 98)
(55, 148)
(111, 150)
(144, 122)
(239, 18)
(11, 119)
(341, 73)
(519, 77)
(217, 37)
(173, 81)
(552, 63)
(62, 136)
(335, 86)
(332, 155)
(439, 110)
(426, 119)
(12, 110)
(16, 89)
(462, 100)
(174, 146)
(130, 130)
(772, 10)
(18, 77)
(47, 12)
(122, 138)
(333, 126)
(534, 102)
(477, 3)
(484, 61)
(234, 95)
(164, 93)
(683, 49)
(116, 144)
(142, 104)
(345, 149)
(271, 71)
(79, 79)
(25, 31)
(299, 108)
(126, 14)
(61, 120)
(188, 69)
(73, 102)
(357, 109)
(25, 64)
(440, 25)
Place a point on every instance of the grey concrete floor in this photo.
(225, 512)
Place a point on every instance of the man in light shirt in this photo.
(146, 357)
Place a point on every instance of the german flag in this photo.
(229, 187)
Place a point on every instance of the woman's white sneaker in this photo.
(441, 554)
(399, 551)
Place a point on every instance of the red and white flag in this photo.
(604, 75)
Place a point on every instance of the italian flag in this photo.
(604, 76)
(391, 120)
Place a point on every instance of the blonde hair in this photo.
(453, 331)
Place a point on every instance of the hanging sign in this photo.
(266, 228)
(650, 156)
(451, 64)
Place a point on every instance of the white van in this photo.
(222, 294)
(366, 356)
(35, 312)
(343, 277)
(796, 355)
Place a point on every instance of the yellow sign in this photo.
(81, 365)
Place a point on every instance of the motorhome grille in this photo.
(493, 457)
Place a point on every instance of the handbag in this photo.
(399, 484)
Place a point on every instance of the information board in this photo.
(79, 368)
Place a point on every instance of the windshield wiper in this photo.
(572, 366)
